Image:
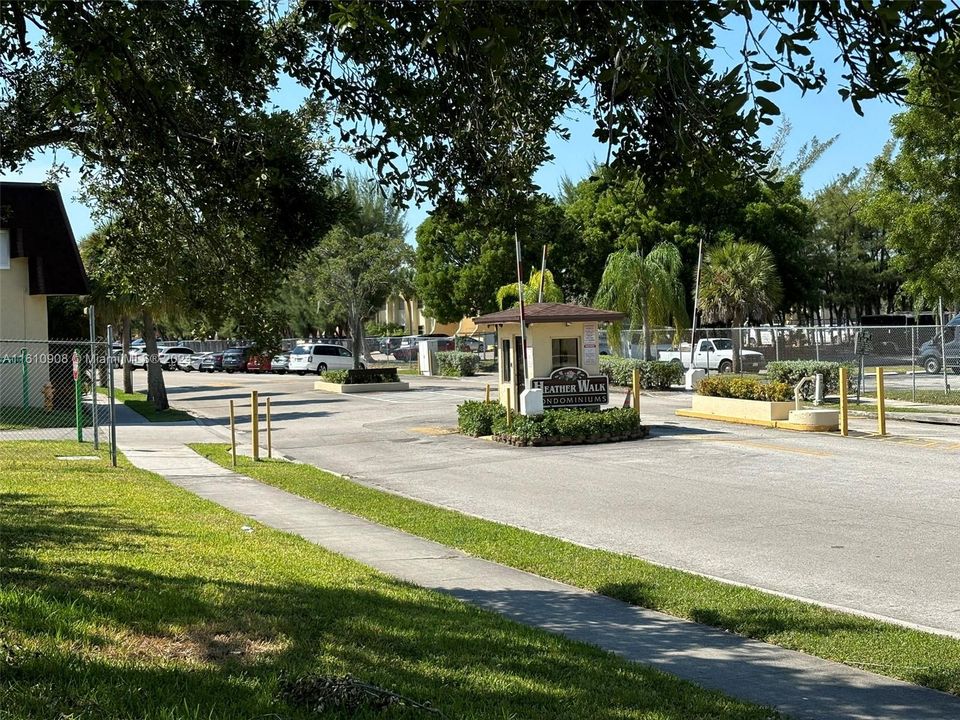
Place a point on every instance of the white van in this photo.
(318, 357)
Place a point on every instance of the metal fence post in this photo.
(844, 404)
(110, 398)
(91, 312)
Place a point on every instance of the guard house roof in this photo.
(34, 215)
(549, 313)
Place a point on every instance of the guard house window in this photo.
(4, 249)
(565, 353)
(505, 362)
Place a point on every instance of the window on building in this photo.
(4, 249)
(565, 353)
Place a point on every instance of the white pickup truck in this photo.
(713, 354)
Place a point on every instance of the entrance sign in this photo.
(572, 387)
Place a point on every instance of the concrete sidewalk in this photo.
(796, 684)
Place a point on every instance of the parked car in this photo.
(169, 356)
(714, 354)
(280, 363)
(930, 352)
(194, 361)
(318, 357)
(410, 350)
(212, 362)
(259, 364)
(235, 359)
(389, 344)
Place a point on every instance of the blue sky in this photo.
(822, 115)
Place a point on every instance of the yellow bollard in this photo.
(233, 434)
(487, 398)
(509, 410)
(269, 432)
(255, 423)
(844, 403)
(881, 406)
(636, 392)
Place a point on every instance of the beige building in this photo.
(38, 258)
(408, 313)
(557, 336)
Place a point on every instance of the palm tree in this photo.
(645, 288)
(739, 282)
(508, 295)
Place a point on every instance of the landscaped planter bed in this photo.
(746, 409)
(641, 432)
(361, 381)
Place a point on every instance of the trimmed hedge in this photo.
(654, 374)
(457, 364)
(741, 388)
(792, 371)
(335, 376)
(566, 427)
(477, 418)
(362, 376)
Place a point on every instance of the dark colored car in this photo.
(212, 362)
(410, 352)
(235, 359)
(930, 355)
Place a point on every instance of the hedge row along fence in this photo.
(654, 374)
(457, 364)
(793, 371)
(741, 388)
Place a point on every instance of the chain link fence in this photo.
(47, 392)
(919, 362)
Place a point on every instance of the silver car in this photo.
(191, 362)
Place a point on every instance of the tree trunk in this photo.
(125, 349)
(156, 390)
(356, 332)
(645, 322)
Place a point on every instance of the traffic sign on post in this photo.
(76, 366)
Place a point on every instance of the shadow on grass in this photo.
(155, 633)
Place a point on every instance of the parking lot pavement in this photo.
(865, 523)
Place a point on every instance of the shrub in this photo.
(654, 374)
(792, 371)
(335, 376)
(359, 376)
(478, 418)
(457, 364)
(569, 424)
(741, 388)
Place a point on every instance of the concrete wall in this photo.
(22, 317)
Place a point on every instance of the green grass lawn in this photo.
(138, 403)
(17, 418)
(918, 657)
(928, 397)
(123, 596)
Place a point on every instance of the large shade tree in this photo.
(157, 91)
(917, 201)
(739, 283)
(644, 287)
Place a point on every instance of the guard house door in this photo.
(519, 381)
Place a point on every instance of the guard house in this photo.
(558, 336)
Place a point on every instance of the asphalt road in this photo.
(863, 523)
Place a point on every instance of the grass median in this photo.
(139, 404)
(124, 596)
(918, 657)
